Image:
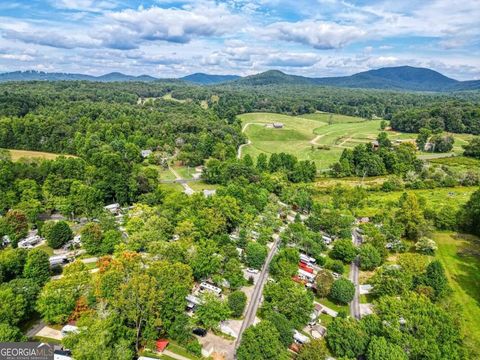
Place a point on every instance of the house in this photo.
(58, 260)
(209, 287)
(208, 193)
(67, 329)
(29, 242)
(300, 338)
(305, 275)
(375, 145)
(318, 331)
(193, 302)
(428, 146)
(113, 208)
(277, 125)
(146, 153)
(307, 259)
(226, 329)
(327, 239)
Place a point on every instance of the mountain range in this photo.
(402, 78)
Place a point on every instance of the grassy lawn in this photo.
(172, 187)
(27, 154)
(165, 174)
(330, 304)
(460, 256)
(46, 248)
(200, 186)
(185, 172)
(332, 118)
(177, 349)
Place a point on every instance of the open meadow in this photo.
(460, 255)
(320, 137)
(27, 154)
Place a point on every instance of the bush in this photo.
(426, 246)
(58, 234)
(342, 291)
(236, 302)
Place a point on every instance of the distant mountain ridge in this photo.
(406, 78)
(401, 78)
(32, 75)
(208, 79)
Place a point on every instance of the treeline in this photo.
(222, 172)
(377, 158)
(452, 116)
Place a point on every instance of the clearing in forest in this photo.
(320, 137)
(27, 154)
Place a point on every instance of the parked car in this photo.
(200, 332)
(253, 271)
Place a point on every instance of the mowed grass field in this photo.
(460, 255)
(320, 137)
(27, 154)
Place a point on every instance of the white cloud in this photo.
(318, 34)
(173, 25)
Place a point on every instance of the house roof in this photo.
(161, 344)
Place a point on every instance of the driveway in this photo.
(221, 346)
(48, 332)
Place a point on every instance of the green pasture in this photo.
(320, 137)
(460, 255)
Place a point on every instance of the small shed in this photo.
(161, 345)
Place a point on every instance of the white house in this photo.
(113, 208)
(209, 287)
(146, 153)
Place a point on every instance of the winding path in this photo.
(239, 151)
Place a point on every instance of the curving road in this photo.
(354, 275)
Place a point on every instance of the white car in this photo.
(253, 271)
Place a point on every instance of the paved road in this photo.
(257, 292)
(354, 274)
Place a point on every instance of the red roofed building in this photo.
(161, 345)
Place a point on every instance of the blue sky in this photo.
(167, 38)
